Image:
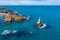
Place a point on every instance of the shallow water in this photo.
(48, 14)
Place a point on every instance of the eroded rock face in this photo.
(8, 18)
(18, 18)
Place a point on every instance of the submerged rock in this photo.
(5, 32)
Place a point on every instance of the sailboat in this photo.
(40, 24)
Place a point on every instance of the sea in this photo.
(27, 30)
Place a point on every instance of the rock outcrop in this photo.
(10, 15)
(18, 18)
(8, 18)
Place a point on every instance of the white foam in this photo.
(6, 32)
(14, 31)
(28, 17)
(2, 13)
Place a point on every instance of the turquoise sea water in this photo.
(48, 14)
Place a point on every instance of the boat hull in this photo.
(44, 25)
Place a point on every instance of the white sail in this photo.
(39, 20)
